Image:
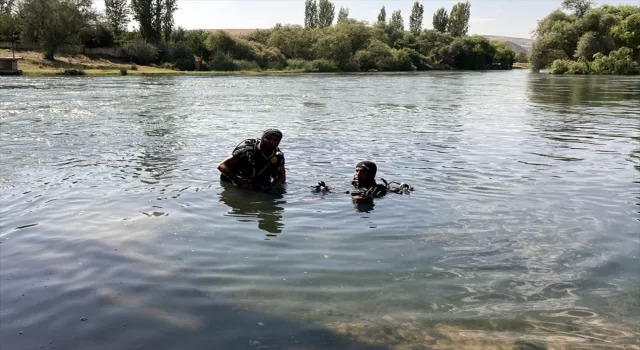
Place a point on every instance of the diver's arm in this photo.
(226, 167)
(283, 176)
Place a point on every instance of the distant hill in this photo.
(516, 44)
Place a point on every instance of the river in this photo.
(523, 229)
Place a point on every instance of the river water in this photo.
(523, 230)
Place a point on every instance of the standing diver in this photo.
(255, 163)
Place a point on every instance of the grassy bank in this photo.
(33, 64)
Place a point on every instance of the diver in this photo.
(255, 163)
(365, 185)
(364, 181)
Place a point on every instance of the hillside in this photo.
(523, 43)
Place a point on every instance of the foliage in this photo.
(382, 16)
(195, 41)
(326, 12)
(310, 14)
(155, 18)
(117, 13)
(579, 7)
(242, 49)
(7, 6)
(140, 52)
(9, 26)
(98, 34)
(415, 20)
(522, 57)
(343, 14)
(586, 34)
(396, 22)
(459, 19)
(64, 20)
(617, 62)
(441, 20)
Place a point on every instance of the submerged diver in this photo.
(365, 185)
(255, 163)
(364, 180)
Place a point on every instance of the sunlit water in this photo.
(523, 229)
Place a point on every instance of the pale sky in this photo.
(515, 18)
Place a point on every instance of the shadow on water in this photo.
(248, 205)
(150, 308)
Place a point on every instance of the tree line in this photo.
(324, 43)
(585, 39)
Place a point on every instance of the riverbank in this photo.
(33, 64)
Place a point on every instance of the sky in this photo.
(514, 18)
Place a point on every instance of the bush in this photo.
(378, 56)
(522, 57)
(222, 61)
(324, 66)
(298, 64)
(140, 52)
(419, 61)
(618, 62)
(242, 49)
(97, 35)
(569, 67)
(73, 71)
(246, 65)
(133, 67)
(401, 61)
(123, 71)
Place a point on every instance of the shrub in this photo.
(246, 65)
(140, 52)
(222, 61)
(324, 66)
(73, 71)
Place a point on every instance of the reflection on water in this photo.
(522, 231)
(246, 204)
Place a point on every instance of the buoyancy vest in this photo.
(254, 164)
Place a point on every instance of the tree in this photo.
(343, 14)
(441, 20)
(117, 12)
(143, 12)
(310, 14)
(415, 20)
(592, 43)
(459, 19)
(579, 7)
(52, 23)
(325, 13)
(7, 6)
(396, 22)
(627, 34)
(155, 18)
(170, 7)
(382, 16)
(546, 49)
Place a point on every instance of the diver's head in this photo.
(365, 172)
(271, 139)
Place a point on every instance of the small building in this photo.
(9, 66)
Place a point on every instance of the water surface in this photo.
(523, 230)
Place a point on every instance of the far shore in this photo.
(33, 64)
